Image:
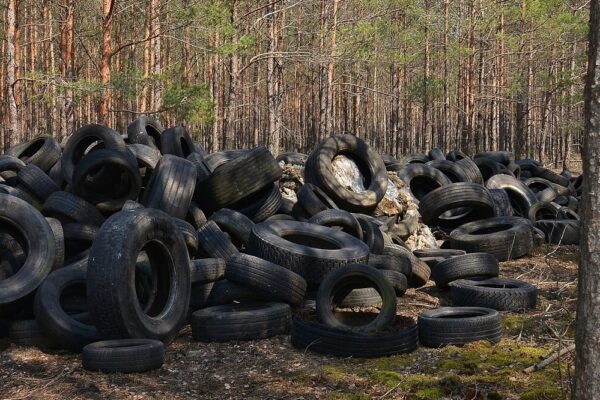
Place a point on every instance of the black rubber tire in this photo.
(207, 270)
(339, 218)
(112, 296)
(145, 130)
(190, 235)
(126, 179)
(123, 355)
(453, 171)
(420, 272)
(64, 330)
(551, 176)
(147, 158)
(471, 169)
(59, 242)
(225, 292)
(320, 249)
(509, 237)
(464, 267)
(9, 167)
(319, 171)
(245, 321)
(195, 216)
(292, 158)
(80, 141)
(78, 240)
(521, 197)
(200, 293)
(414, 158)
(262, 204)
(488, 167)
(502, 157)
(458, 326)
(539, 184)
(561, 231)
(171, 186)
(444, 253)
(547, 195)
(213, 242)
(496, 293)
(372, 235)
(36, 182)
(313, 200)
(391, 262)
(466, 201)
(131, 205)
(21, 194)
(422, 179)
(67, 207)
(322, 339)
(515, 169)
(43, 152)
(397, 279)
(543, 210)
(349, 277)
(235, 224)
(176, 141)
(356, 298)
(27, 332)
(502, 206)
(281, 283)
(251, 173)
(455, 155)
(436, 154)
(29, 228)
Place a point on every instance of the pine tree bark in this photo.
(105, 58)
(587, 385)
(12, 132)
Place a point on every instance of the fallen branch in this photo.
(544, 363)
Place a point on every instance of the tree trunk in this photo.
(107, 16)
(12, 132)
(274, 81)
(587, 385)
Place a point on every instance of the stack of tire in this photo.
(111, 243)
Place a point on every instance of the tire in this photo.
(422, 179)
(542, 210)
(251, 173)
(171, 186)
(176, 141)
(114, 166)
(235, 224)
(458, 326)
(372, 235)
(112, 298)
(453, 171)
(322, 339)
(420, 272)
(292, 158)
(356, 298)
(27, 333)
(61, 328)
(214, 243)
(488, 167)
(147, 158)
(444, 253)
(11, 165)
(436, 154)
(539, 184)
(339, 218)
(67, 207)
(464, 267)
(123, 355)
(465, 202)
(391, 262)
(262, 204)
(551, 176)
(515, 169)
(199, 296)
(36, 182)
(225, 292)
(319, 171)
(317, 250)
(28, 227)
(59, 242)
(282, 284)
(496, 293)
(78, 240)
(398, 280)
(501, 157)
(195, 216)
(313, 200)
(351, 277)
(80, 141)
(413, 158)
(207, 270)
(145, 130)
(471, 169)
(245, 321)
(21, 194)
(508, 237)
(455, 155)
(521, 197)
(547, 195)
(43, 152)
(190, 235)
(560, 232)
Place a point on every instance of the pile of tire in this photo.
(110, 244)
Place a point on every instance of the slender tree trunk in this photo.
(330, 71)
(12, 132)
(274, 81)
(425, 140)
(446, 119)
(105, 59)
(234, 67)
(587, 385)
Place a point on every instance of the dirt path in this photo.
(273, 369)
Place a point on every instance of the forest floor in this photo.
(273, 369)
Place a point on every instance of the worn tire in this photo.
(497, 293)
(43, 152)
(123, 355)
(422, 179)
(464, 267)
(67, 207)
(339, 218)
(213, 242)
(521, 197)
